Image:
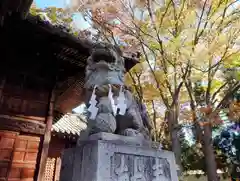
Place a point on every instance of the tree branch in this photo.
(228, 94)
(216, 92)
(207, 95)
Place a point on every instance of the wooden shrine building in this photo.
(41, 77)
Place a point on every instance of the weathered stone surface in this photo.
(108, 157)
(122, 140)
(137, 167)
(67, 164)
(111, 106)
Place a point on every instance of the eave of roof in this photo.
(21, 8)
(69, 124)
(81, 44)
(12, 6)
(75, 45)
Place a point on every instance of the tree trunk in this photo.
(211, 166)
(176, 145)
(198, 130)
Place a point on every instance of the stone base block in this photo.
(108, 157)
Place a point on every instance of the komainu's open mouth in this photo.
(103, 55)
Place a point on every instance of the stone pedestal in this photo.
(108, 157)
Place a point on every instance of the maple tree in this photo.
(185, 46)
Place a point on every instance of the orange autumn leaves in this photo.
(212, 117)
(234, 111)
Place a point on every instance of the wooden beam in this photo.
(72, 85)
(18, 124)
(46, 139)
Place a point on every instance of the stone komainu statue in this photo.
(104, 85)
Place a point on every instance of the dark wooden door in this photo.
(24, 158)
(18, 155)
(7, 140)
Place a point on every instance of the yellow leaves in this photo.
(161, 77)
(222, 12)
(197, 75)
(190, 18)
(159, 13)
(138, 68)
(218, 6)
(148, 85)
(154, 45)
(232, 60)
(232, 65)
(150, 92)
(174, 44)
(215, 4)
(215, 85)
(185, 54)
(237, 75)
(33, 11)
(219, 43)
(128, 79)
(206, 50)
(167, 23)
(222, 39)
(200, 54)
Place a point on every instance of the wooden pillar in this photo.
(46, 139)
(2, 86)
(57, 169)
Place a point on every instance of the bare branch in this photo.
(165, 100)
(164, 14)
(140, 95)
(199, 23)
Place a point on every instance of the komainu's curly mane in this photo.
(104, 66)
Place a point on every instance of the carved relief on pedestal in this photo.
(139, 168)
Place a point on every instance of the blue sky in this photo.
(78, 18)
(47, 3)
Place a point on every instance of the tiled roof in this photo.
(70, 124)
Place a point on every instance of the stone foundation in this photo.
(109, 157)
